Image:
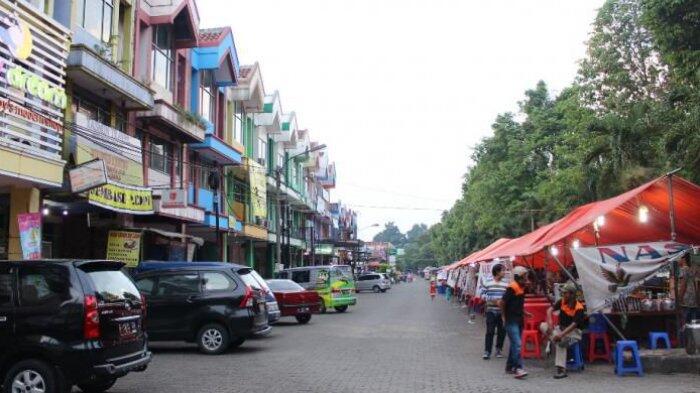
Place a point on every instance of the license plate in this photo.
(128, 329)
(303, 309)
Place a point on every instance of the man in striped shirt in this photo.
(492, 291)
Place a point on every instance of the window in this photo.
(217, 282)
(238, 118)
(113, 286)
(178, 284)
(280, 160)
(146, 285)
(262, 149)
(207, 99)
(161, 154)
(97, 18)
(46, 286)
(301, 276)
(163, 56)
(5, 289)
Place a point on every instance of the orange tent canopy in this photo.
(620, 223)
(476, 256)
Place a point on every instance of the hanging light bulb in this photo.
(554, 251)
(576, 243)
(65, 212)
(600, 221)
(643, 214)
(45, 211)
(512, 258)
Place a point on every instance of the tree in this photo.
(392, 234)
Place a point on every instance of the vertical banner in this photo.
(608, 273)
(486, 275)
(124, 246)
(258, 190)
(30, 234)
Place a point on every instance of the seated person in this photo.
(571, 320)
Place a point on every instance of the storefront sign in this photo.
(189, 213)
(324, 249)
(120, 152)
(87, 176)
(258, 189)
(123, 198)
(124, 246)
(30, 234)
(175, 197)
(35, 85)
(10, 108)
(608, 273)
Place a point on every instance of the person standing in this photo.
(689, 289)
(512, 312)
(492, 292)
(571, 320)
(433, 289)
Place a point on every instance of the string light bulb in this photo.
(554, 251)
(599, 222)
(45, 211)
(643, 214)
(65, 212)
(512, 258)
(576, 244)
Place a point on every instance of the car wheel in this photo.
(212, 339)
(376, 289)
(237, 342)
(383, 290)
(341, 308)
(31, 376)
(303, 319)
(97, 386)
(322, 307)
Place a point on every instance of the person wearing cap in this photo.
(513, 311)
(571, 321)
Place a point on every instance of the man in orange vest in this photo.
(571, 321)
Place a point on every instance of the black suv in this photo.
(65, 323)
(213, 304)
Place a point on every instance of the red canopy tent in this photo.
(476, 256)
(611, 221)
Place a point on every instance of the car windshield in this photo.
(113, 286)
(284, 285)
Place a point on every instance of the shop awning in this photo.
(174, 235)
(641, 214)
(477, 256)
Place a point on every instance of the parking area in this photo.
(398, 341)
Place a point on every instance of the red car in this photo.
(294, 300)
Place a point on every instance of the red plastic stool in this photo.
(593, 339)
(531, 337)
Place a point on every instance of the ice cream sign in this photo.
(17, 36)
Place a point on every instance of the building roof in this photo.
(212, 36)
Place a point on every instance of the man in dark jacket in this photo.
(513, 311)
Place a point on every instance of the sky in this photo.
(401, 91)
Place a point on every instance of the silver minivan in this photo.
(377, 282)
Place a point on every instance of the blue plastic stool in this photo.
(654, 338)
(574, 360)
(620, 367)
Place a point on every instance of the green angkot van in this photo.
(334, 284)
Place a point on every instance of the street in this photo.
(392, 342)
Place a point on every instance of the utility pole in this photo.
(278, 216)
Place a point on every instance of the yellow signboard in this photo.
(122, 198)
(124, 246)
(258, 189)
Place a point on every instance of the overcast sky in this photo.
(401, 91)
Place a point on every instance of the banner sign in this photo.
(258, 189)
(88, 175)
(123, 198)
(486, 275)
(324, 249)
(10, 108)
(30, 234)
(608, 273)
(176, 197)
(124, 246)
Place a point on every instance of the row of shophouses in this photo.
(125, 116)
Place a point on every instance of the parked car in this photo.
(213, 304)
(334, 284)
(69, 322)
(294, 300)
(377, 282)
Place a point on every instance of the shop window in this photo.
(207, 99)
(161, 154)
(97, 18)
(162, 66)
(238, 116)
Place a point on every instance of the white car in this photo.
(376, 282)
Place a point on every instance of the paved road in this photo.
(393, 342)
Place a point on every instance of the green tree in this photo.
(392, 234)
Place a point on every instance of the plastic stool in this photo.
(574, 360)
(654, 338)
(620, 367)
(531, 337)
(593, 354)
